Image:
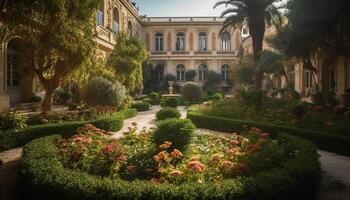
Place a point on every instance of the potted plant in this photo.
(36, 101)
(346, 97)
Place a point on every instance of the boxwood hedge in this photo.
(20, 137)
(325, 141)
(42, 176)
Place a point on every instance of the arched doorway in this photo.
(19, 87)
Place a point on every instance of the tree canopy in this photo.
(126, 60)
(59, 34)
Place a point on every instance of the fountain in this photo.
(171, 91)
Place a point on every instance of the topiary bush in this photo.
(171, 102)
(168, 113)
(217, 96)
(141, 106)
(12, 120)
(191, 91)
(101, 92)
(154, 98)
(190, 75)
(177, 131)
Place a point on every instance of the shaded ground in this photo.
(335, 180)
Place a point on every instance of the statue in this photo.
(171, 89)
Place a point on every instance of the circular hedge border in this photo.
(43, 176)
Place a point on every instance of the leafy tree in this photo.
(191, 75)
(256, 13)
(314, 26)
(126, 60)
(59, 35)
(212, 82)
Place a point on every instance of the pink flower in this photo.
(196, 166)
(227, 165)
(234, 142)
(108, 149)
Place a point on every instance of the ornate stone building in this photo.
(175, 44)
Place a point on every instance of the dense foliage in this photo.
(168, 113)
(326, 119)
(141, 106)
(126, 60)
(12, 120)
(178, 131)
(101, 92)
(171, 102)
(191, 91)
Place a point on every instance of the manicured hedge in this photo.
(141, 106)
(15, 138)
(325, 141)
(43, 177)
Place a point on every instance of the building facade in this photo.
(175, 44)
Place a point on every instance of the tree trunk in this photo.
(47, 102)
(257, 31)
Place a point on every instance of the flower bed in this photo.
(328, 119)
(15, 138)
(329, 142)
(91, 165)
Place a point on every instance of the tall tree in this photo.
(126, 60)
(257, 13)
(59, 34)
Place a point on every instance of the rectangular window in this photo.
(159, 43)
(203, 43)
(99, 17)
(180, 43)
(309, 79)
(180, 75)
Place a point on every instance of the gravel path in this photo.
(335, 180)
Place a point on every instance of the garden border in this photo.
(325, 141)
(43, 176)
(15, 138)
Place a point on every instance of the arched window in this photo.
(115, 20)
(159, 42)
(100, 15)
(129, 28)
(225, 41)
(225, 69)
(180, 41)
(203, 41)
(202, 72)
(180, 72)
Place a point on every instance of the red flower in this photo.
(318, 108)
(234, 142)
(176, 154)
(227, 165)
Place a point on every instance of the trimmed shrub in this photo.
(12, 120)
(171, 102)
(141, 106)
(16, 138)
(62, 96)
(43, 177)
(168, 113)
(101, 92)
(217, 97)
(177, 131)
(190, 75)
(153, 96)
(191, 91)
(325, 141)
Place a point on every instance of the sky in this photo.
(178, 8)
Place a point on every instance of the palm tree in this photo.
(257, 13)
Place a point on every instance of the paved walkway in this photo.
(335, 181)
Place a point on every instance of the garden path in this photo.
(336, 168)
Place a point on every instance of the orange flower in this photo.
(165, 145)
(196, 166)
(176, 154)
(161, 156)
(227, 165)
(231, 151)
(108, 149)
(216, 158)
(121, 158)
(241, 168)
